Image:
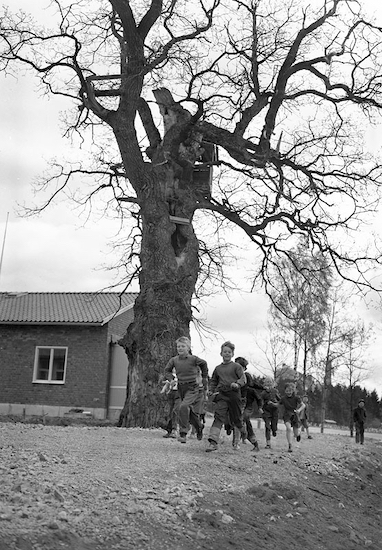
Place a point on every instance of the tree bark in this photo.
(169, 258)
(162, 313)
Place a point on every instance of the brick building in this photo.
(59, 353)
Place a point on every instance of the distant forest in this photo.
(340, 402)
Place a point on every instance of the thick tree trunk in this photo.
(162, 312)
(169, 254)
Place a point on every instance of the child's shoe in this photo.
(236, 446)
(310, 437)
(212, 447)
(255, 446)
(182, 438)
(268, 445)
(290, 449)
(199, 432)
(298, 438)
(170, 435)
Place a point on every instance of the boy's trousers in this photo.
(223, 405)
(359, 432)
(189, 395)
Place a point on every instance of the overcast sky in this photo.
(58, 251)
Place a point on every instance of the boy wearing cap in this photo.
(249, 396)
(359, 419)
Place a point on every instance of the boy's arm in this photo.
(257, 385)
(281, 405)
(300, 405)
(259, 401)
(241, 380)
(168, 370)
(202, 364)
(300, 409)
(213, 382)
(257, 397)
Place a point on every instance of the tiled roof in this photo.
(63, 307)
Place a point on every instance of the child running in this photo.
(292, 406)
(249, 397)
(170, 389)
(225, 384)
(187, 368)
(304, 416)
(270, 409)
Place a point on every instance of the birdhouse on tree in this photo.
(203, 169)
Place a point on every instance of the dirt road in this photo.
(82, 488)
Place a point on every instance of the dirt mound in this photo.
(82, 488)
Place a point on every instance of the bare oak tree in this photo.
(273, 95)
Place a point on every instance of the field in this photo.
(85, 487)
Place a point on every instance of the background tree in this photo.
(273, 352)
(373, 407)
(300, 297)
(353, 368)
(283, 90)
(329, 350)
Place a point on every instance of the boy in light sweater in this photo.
(187, 368)
(225, 384)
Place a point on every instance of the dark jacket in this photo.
(249, 391)
(359, 415)
(269, 397)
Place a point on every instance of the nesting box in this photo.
(203, 169)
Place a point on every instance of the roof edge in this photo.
(117, 314)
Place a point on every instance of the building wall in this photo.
(118, 326)
(87, 371)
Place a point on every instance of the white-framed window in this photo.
(50, 365)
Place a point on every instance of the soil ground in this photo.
(108, 488)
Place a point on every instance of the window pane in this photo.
(58, 364)
(43, 364)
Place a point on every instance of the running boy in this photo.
(304, 415)
(249, 396)
(270, 409)
(292, 406)
(225, 383)
(187, 369)
(170, 389)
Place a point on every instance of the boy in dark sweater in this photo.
(225, 384)
(270, 409)
(359, 418)
(304, 416)
(292, 406)
(187, 368)
(250, 396)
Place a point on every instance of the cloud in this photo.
(43, 256)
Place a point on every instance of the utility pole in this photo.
(3, 246)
